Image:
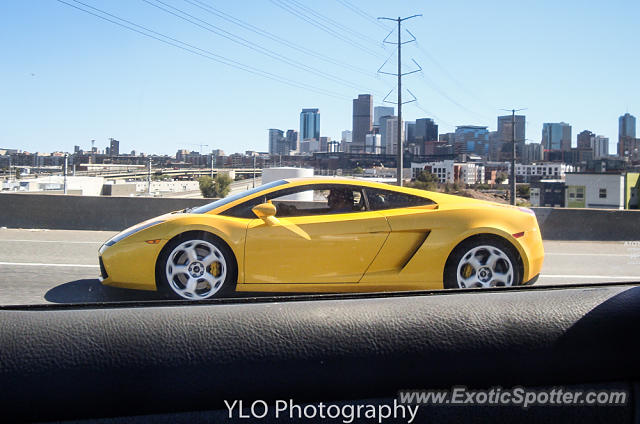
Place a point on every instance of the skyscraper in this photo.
(600, 147)
(309, 124)
(627, 126)
(114, 147)
(379, 112)
(556, 136)
(389, 134)
(586, 140)
(409, 131)
(276, 138)
(627, 142)
(292, 140)
(362, 121)
(425, 130)
(472, 139)
(505, 132)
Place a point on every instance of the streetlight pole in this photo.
(149, 177)
(512, 177)
(254, 170)
(66, 161)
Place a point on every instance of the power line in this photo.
(200, 52)
(461, 86)
(323, 27)
(428, 112)
(449, 98)
(362, 13)
(332, 22)
(250, 45)
(229, 18)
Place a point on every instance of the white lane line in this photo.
(59, 265)
(53, 241)
(589, 254)
(616, 277)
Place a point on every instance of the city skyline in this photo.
(76, 77)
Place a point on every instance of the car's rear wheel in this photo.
(198, 266)
(483, 262)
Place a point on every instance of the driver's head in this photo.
(340, 198)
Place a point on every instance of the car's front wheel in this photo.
(482, 262)
(196, 266)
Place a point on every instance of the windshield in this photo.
(214, 205)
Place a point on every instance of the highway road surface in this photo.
(56, 266)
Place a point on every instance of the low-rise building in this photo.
(548, 193)
(602, 191)
(448, 171)
(539, 171)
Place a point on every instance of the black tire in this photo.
(450, 277)
(203, 244)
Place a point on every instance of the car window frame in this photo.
(292, 190)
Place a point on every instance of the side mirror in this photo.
(266, 212)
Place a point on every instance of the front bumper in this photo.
(130, 265)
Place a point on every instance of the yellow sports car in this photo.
(327, 235)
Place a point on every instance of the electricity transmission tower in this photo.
(399, 74)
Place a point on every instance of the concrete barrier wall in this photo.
(116, 213)
(84, 212)
(588, 224)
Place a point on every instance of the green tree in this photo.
(501, 177)
(216, 187)
(358, 170)
(425, 180)
(523, 191)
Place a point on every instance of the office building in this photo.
(425, 130)
(472, 139)
(531, 152)
(586, 140)
(389, 134)
(309, 124)
(600, 147)
(114, 147)
(276, 142)
(292, 141)
(409, 131)
(505, 128)
(379, 112)
(556, 136)
(627, 142)
(373, 144)
(362, 121)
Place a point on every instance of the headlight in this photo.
(126, 234)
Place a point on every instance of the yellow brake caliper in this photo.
(467, 270)
(215, 269)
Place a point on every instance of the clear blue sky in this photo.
(68, 77)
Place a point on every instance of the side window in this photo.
(320, 200)
(305, 201)
(387, 199)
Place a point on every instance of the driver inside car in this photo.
(340, 200)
